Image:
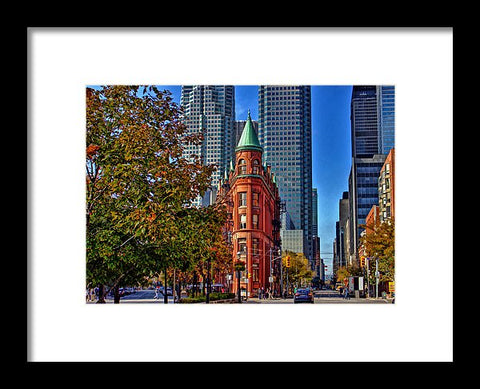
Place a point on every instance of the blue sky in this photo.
(331, 149)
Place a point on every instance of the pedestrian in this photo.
(347, 296)
(156, 293)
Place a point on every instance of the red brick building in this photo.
(253, 203)
(386, 188)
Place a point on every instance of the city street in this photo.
(140, 296)
(320, 297)
(323, 297)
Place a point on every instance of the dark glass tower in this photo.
(372, 137)
(386, 113)
(364, 121)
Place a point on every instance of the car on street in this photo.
(304, 295)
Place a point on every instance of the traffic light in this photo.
(362, 261)
(287, 261)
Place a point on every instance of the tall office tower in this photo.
(386, 116)
(210, 109)
(285, 132)
(372, 136)
(314, 212)
(315, 238)
(372, 120)
(342, 244)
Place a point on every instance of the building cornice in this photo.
(234, 179)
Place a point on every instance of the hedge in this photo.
(201, 299)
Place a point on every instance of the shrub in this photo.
(215, 296)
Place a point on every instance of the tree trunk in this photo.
(116, 295)
(194, 284)
(101, 297)
(207, 298)
(174, 292)
(165, 295)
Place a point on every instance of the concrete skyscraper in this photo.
(285, 133)
(210, 109)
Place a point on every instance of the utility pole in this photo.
(165, 294)
(368, 276)
(376, 277)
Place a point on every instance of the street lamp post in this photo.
(368, 275)
(239, 266)
(238, 286)
(274, 259)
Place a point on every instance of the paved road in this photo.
(321, 297)
(140, 296)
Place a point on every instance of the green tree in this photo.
(298, 273)
(342, 273)
(137, 182)
(380, 243)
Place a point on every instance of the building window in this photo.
(255, 199)
(242, 167)
(255, 221)
(256, 167)
(255, 247)
(242, 245)
(255, 275)
(243, 222)
(242, 199)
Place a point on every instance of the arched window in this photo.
(242, 167)
(256, 167)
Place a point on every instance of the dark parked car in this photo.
(303, 296)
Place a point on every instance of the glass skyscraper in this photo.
(285, 133)
(372, 135)
(386, 114)
(210, 109)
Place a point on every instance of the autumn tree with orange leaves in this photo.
(379, 243)
(138, 186)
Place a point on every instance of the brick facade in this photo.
(253, 205)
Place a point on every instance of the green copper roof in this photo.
(249, 139)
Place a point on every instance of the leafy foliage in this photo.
(380, 243)
(139, 189)
(298, 273)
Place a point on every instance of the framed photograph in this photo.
(212, 185)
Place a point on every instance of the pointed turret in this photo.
(249, 139)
